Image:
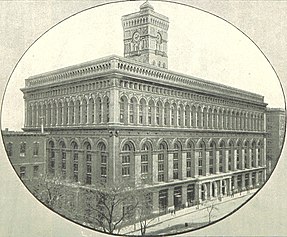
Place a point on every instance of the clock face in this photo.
(136, 37)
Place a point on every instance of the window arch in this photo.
(189, 158)
(166, 119)
(246, 154)
(127, 155)
(212, 158)
(142, 112)
(230, 155)
(88, 160)
(132, 110)
(201, 157)
(51, 157)
(146, 158)
(151, 108)
(63, 155)
(158, 113)
(99, 110)
(221, 157)
(60, 113)
(91, 116)
(253, 154)
(72, 112)
(84, 111)
(176, 160)
(104, 161)
(106, 109)
(75, 159)
(162, 162)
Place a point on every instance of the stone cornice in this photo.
(124, 66)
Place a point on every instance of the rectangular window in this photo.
(161, 167)
(144, 164)
(9, 149)
(126, 165)
(103, 166)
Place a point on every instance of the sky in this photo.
(199, 44)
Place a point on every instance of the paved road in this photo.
(170, 224)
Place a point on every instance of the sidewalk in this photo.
(194, 216)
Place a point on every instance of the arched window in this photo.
(51, 157)
(104, 160)
(63, 155)
(253, 154)
(158, 113)
(210, 117)
(106, 109)
(84, 111)
(189, 157)
(88, 158)
(54, 114)
(126, 160)
(146, 157)
(91, 111)
(246, 154)
(72, 112)
(230, 155)
(166, 114)
(205, 118)
(75, 158)
(60, 113)
(173, 111)
(49, 109)
(260, 151)
(39, 115)
(132, 108)
(176, 158)
(201, 156)
(99, 110)
(212, 158)
(78, 112)
(238, 155)
(142, 111)
(162, 156)
(187, 116)
(221, 156)
(150, 112)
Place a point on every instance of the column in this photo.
(249, 158)
(137, 169)
(82, 167)
(136, 112)
(235, 183)
(169, 167)
(220, 187)
(170, 197)
(234, 159)
(194, 164)
(257, 178)
(243, 182)
(114, 165)
(229, 188)
(216, 163)
(184, 195)
(197, 193)
(250, 180)
(154, 168)
(182, 166)
(242, 160)
(256, 157)
(205, 163)
(155, 200)
(225, 160)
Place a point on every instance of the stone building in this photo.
(27, 152)
(131, 119)
(275, 128)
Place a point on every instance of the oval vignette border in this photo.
(162, 1)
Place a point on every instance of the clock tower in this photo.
(145, 36)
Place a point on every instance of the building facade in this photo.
(131, 119)
(275, 128)
(27, 153)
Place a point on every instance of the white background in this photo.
(22, 22)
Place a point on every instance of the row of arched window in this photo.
(199, 159)
(72, 112)
(171, 114)
(58, 161)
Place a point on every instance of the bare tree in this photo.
(210, 207)
(144, 213)
(111, 207)
(55, 194)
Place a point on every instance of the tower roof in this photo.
(146, 5)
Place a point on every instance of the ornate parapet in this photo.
(120, 65)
